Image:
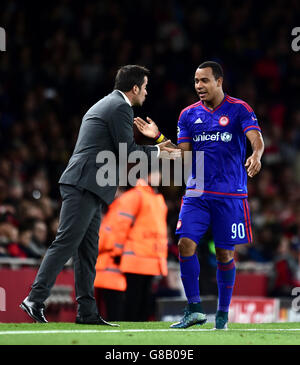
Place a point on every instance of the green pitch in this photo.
(148, 333)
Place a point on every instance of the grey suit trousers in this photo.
(77, 237)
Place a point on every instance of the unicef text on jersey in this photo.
(216, 137)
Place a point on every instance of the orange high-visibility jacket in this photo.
(108, 273)
(136, 224)
(143, 231)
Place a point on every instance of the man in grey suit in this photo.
(105, 125)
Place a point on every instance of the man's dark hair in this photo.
(130, 75)
(217, 69)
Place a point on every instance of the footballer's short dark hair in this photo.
(130, 75)
(217, 69)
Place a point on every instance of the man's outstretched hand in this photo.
(148, 129)
(168, 153)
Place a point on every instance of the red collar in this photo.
(217, 107)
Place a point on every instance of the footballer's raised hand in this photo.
(148, 129)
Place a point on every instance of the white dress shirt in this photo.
(125, 97)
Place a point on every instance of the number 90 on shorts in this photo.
(238, 230)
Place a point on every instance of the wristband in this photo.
(159, 138)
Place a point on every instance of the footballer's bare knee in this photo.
(223, 255)
(186, 246)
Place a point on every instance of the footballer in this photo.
(217, 125)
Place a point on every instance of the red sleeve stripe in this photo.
(253, 126)
(184, 138)
(237, 101)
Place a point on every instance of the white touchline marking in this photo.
(32, 332)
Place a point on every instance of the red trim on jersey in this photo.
(246, 221)
(218, 193)
(184, 138)
(225, 98)
(248, 215)
(204, 107)
(189, 107)
(237, 101)
(216, 108)
(252, 126)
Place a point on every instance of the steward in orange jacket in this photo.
(142, 230)
(133, 242)
(108, 273)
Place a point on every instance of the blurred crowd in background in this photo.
(62, 57)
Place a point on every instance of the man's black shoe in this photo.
(94, 320)
(34, 310)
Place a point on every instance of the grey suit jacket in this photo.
(106, 124)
